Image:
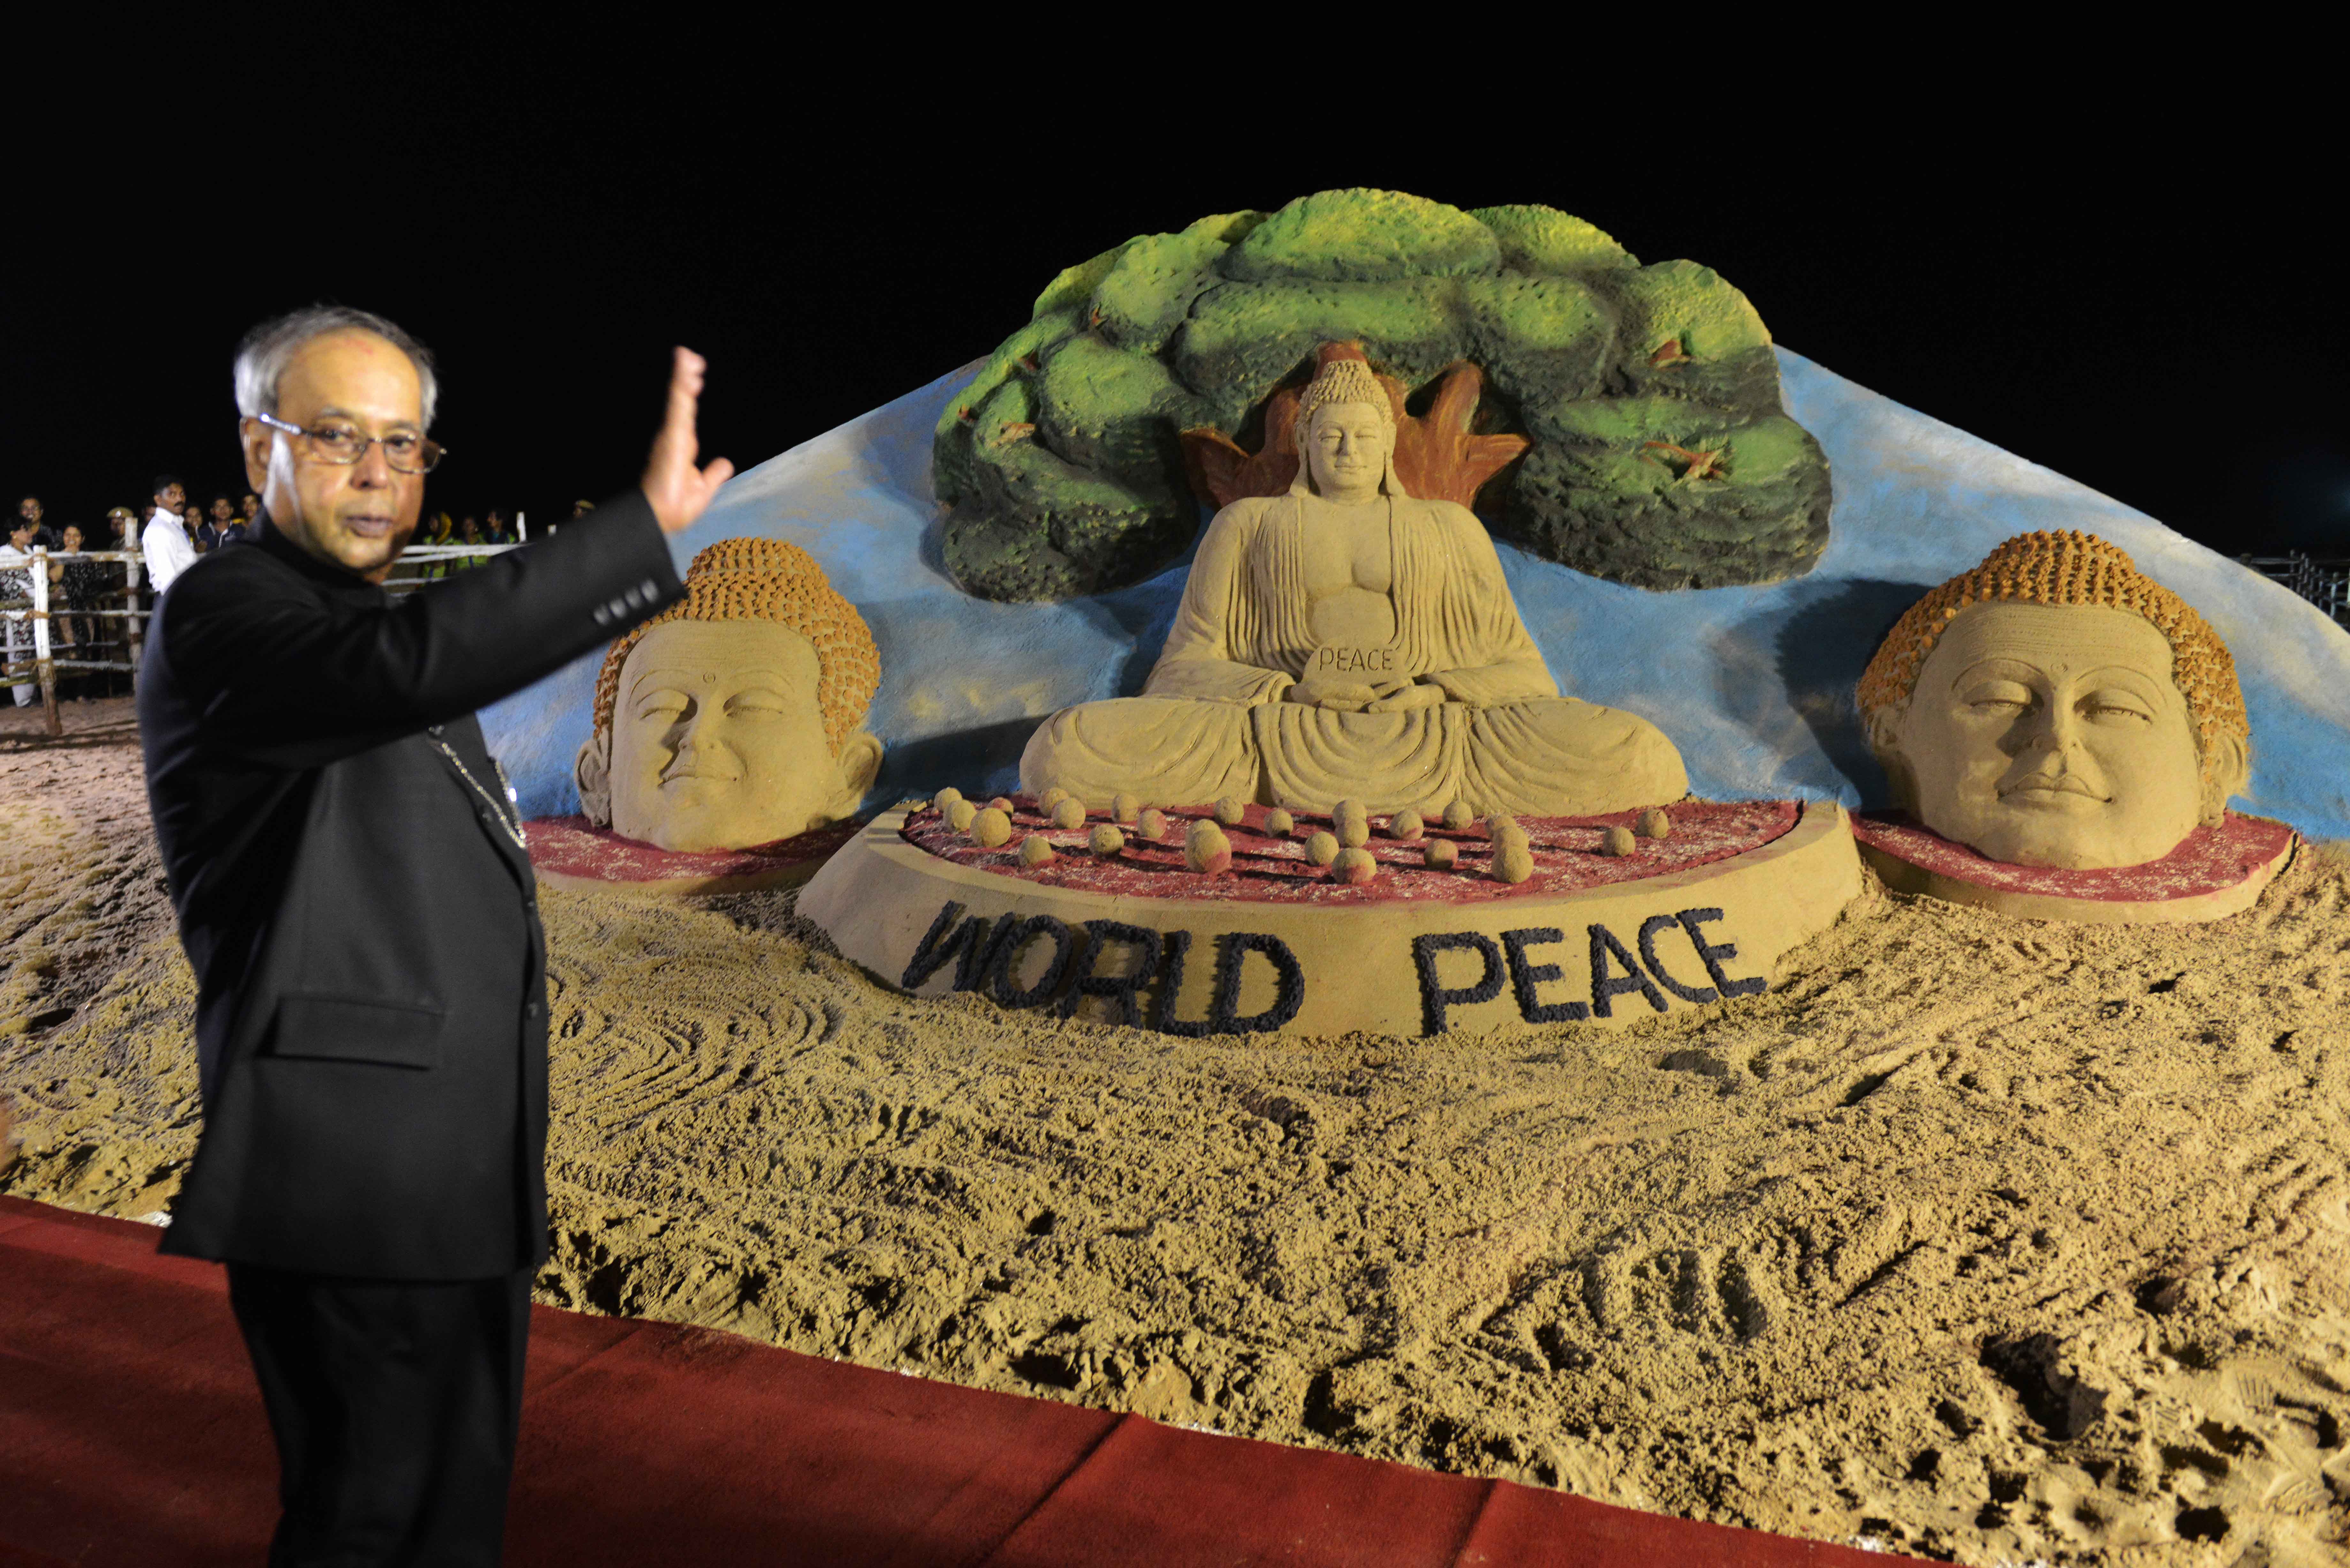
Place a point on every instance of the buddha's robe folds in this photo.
(1213, 720)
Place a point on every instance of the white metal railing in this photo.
(417, 566)
(2323, 583)
(421, 563)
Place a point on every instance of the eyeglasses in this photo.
(343, 443)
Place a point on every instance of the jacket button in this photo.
(534, 1009)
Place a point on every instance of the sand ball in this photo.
(1051, 798)
(1654, 823)
(1105, 841)
(960, 814)
(1354, 866)
(1125, 807)
(1347, 808)
(1501, 825)
(946, 799)
(1322, 849)
(1206, 849)
(1279, 823)
(1354, 831)
(1406, 825)
(1035, 851)
(1001, 802)
(1230, 809)
(991, 827)
(1513, 861)
(1457, 816)
(1069, 811)
(1442, 854)
(1618, 841)
(1152, 823)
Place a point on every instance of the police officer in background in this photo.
(356, 900)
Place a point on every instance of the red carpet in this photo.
(130, 1433)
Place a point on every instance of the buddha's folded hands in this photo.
(1418, 694)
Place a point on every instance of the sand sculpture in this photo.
(732, 719)
(1346, 639)
(2063, 735)
(1328, 765)
(2055, 707)
(1637, 432)
(1195, 925)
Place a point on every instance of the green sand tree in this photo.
(1645, 398)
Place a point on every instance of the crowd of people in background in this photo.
(438, 530)
(170, 533)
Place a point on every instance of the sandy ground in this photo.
(1989, 1239)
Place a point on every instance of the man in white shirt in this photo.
(166, 543)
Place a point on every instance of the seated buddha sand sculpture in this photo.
(731, 719)
(2055, 707)
(1346, 640)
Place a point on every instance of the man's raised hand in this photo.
(678, 491)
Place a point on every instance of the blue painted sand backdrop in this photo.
(1753, 684)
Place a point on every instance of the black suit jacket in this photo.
(372, 1009)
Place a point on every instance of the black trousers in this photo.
(394, 1404)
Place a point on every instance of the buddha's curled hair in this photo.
(1341, 381)
(770, 580)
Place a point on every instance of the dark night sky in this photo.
(2146, 308)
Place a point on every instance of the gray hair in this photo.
(262, 357)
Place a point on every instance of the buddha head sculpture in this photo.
(731, 719)
(1345, 434)
(2056, 707)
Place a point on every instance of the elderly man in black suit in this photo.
(357, 903)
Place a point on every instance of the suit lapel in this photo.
(466, 761)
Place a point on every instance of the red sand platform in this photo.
(570, 852)
(130, 1433)
(1273, 868)
(2214, 872)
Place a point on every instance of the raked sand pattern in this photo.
(1995, 1241)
